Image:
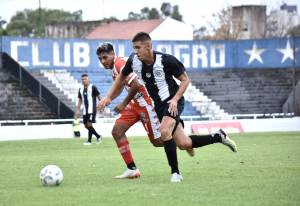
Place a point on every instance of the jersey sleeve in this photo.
(119, 64)
(128, 66)
(95, 91)
(79, 95)
(130, 78)
(175, 66)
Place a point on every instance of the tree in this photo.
(153, 14)
(166, 10)
(146, 13)
(134, 16)
(295, 31)
(175, 14)
(32, 22)
(221, 26)
(2, 30)
(200, 33)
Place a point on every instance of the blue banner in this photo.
(200, 55)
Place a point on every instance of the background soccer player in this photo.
(157, 70)
(87, 95)
(140, 109)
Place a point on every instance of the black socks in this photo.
(131, 166)
(91, 132)
(170, 149)
(202, 140)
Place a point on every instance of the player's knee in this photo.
(117, 133)
(165, 133)
(157, 143)
(183, 145)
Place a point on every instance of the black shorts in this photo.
(89, 118)
(162, 110)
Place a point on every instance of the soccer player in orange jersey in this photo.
(140, 109)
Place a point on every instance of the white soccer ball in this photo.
(51, 175)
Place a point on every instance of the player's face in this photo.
(142, 49)
(107, 59)
(85, 81)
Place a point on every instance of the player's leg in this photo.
(193, 141)
(86, 125)
(166, 128)
(92, 120)
(122, 124)
(151, 124)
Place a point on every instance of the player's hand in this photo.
(105, 101)
(119, 108)
(173, 107)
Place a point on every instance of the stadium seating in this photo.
(17, 103)
(252, 91)
(68, 81)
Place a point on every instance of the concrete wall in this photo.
(104, 127)
(70, 29)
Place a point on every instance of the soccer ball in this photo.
(51, 175)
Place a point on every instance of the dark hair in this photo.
(84, 75)
(141, 36)
(105, 47)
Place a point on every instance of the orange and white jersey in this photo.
(142, 97)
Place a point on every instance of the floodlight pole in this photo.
(40, 19)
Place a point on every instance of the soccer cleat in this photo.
(87, 143)
(129, 174)
(191, 152)
(227, 141)
(99, 140)
(175, 177)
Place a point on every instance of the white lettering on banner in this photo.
(213, 56)
(121, 50)
(67, 55)
(81, 54)
(185, 56)
(165, 48)
(14, 51)
(35, 56)
(202, 56)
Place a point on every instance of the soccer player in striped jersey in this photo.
(156, 72)
(87, 95)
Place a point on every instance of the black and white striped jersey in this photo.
(88, 96)
(157, 77)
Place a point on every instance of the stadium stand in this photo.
(292, 104)
(68, 82)
(17, 103)
(248, 91)
(13, 74)
(54, 88)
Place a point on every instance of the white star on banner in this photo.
(287, 52)
(255, 53)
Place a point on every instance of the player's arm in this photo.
(134, 88)
(114, 91)
(184, 83)
(178, 71)
(77, 113)
(96, 92)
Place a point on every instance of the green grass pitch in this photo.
(265, 171)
